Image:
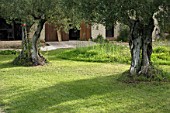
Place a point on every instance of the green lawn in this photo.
(67, 85)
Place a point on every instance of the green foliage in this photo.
(161, 55)
(168, 37)
(32, 11)
(106, 52)
(100, 39)
(161, 49)
(109, 52)
(124, 34)
(8, 52)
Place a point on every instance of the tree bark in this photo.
(24, 57)
(30, 54)
(25, 48)
(147, 47)
(135, 43)
(37, 58)
(140, 43)
(59, 35)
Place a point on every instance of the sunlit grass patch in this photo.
(81, 80)
(161, 55)
(100, 53)
(108, 52)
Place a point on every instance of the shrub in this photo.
(106, 52)
(160, 50)
(123, 36)
(124, 33)
(161, 55)
(8, 52)
(100, 39)
(168, 37)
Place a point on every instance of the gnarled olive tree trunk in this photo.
(140, 43)
(37, 58)
(30, 54)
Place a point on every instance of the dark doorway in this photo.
(17, 31)
(10, 31)
(4, 28)
(110, 32)
(74, 34)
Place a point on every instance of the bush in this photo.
(168, 37)
(8, 52)
(161, 55)
(160, 50)
(106, 52)
(124, 33)
(100, 39)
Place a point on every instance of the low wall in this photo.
(10, 44)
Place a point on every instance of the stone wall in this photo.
(117, 30)
(98, 29)
(32, 31)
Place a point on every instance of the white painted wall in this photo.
(116, 30)
(98, 29)
(42, 36)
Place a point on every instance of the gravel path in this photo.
(15, 45)
(1, 111)
(66, 44)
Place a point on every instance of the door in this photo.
(74, 34)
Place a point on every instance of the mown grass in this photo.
(71, 85)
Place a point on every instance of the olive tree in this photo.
(29, 12)
(138, 15)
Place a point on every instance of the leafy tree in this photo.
(141, 23)
(29, 12)
(138, 15)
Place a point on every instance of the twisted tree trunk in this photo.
(140, 43)
(147, 47)
(135, 43)
(26, 48)
(30, 54)
(37, 58)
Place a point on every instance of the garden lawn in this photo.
(78, 87)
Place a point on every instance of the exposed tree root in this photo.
(28, 61)
(153, 74)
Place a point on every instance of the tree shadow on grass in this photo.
(44, 98)
(8, 65)
(74, 95)
(6, 61)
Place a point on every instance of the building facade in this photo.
(49, 32)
